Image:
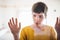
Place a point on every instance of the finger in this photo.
(16, 21)
(19, 26)
(57, 21)
(9, 25)
(13, 20)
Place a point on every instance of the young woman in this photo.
(36, 31)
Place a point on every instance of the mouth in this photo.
(37, 24)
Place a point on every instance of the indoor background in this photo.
(21, 9)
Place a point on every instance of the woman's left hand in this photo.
(57, 25)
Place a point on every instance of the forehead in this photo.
(37, 13)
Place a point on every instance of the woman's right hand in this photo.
(14, 27)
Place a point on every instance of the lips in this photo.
(37, 23)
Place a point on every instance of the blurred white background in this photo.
(21, 9)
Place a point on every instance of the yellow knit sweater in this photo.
(48, 33)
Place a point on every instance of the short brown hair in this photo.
(40, 7)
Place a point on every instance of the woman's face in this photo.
(38, 17)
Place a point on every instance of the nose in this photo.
(37, 18)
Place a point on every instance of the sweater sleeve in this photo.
(23, 35)
(53, 34)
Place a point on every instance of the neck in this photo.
(38, 25)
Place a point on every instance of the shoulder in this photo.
(27, 28)
(49, 27)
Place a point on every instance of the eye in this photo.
(34, 15)
(40, 16)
